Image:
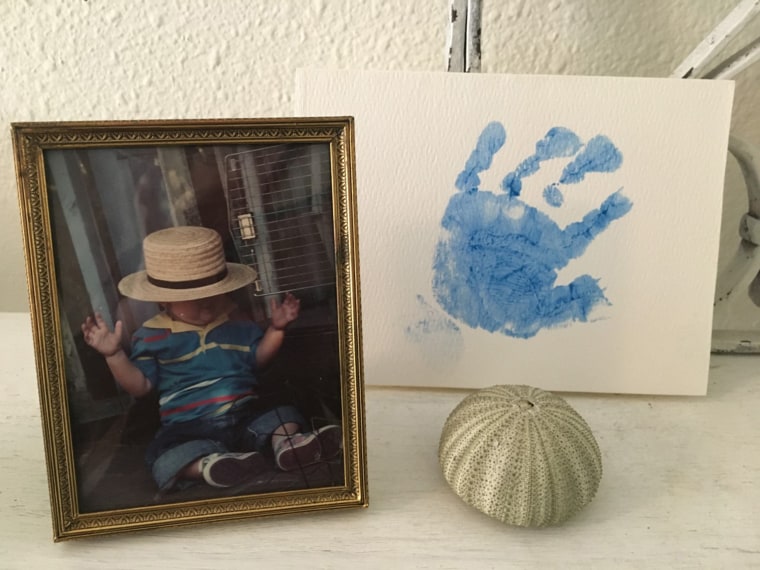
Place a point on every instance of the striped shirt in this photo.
(198, 371)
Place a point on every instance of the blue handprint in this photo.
(496, 265)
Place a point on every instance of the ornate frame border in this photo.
(30, 140)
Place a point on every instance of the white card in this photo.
(555, 231)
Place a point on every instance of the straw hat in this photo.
(183, 264)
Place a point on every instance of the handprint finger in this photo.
(599, 155)
(490, 141)
(559, 142)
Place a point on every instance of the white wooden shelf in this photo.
(681, 489)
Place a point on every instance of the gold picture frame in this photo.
(89, 193)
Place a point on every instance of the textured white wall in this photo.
(143, 59)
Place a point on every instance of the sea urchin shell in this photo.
(521, 455)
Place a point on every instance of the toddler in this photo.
(203, 364)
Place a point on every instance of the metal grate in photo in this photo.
(280, 211)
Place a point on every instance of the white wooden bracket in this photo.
(464, 36)
(742, 273)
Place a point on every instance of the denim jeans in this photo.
(239, 430)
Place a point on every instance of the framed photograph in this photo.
(194, 293)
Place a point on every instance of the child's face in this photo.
(198, 312)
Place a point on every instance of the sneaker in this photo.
(297, 450)
(330, 441)
(230, 469)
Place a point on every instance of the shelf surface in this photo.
(681, 489)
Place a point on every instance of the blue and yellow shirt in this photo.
(198, 371)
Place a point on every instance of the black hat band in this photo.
(190, 284)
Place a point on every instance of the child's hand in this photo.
(97, 334)
(285, 312)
